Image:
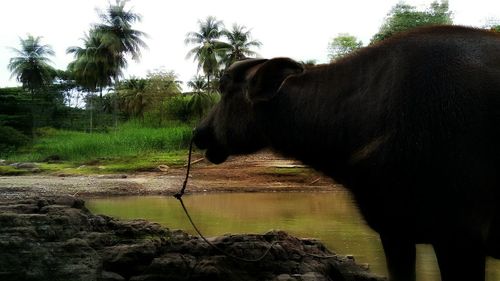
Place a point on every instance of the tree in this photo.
(403, 17)
(198, 84)
(138, 97)
(100, 62)
(240, 44)
(208, 49)
(31, 65)
(342, 45)
(95, 65)
(117, 34)
(162, 83)
(161, 86)
(133, 97)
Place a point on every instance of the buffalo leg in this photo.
(460, 261)
(400, 257)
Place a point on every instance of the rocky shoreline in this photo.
(58, 238)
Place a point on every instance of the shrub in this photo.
(11, 139)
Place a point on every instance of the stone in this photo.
(58, 238)
(111, 276)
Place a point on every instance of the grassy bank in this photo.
(130, 147)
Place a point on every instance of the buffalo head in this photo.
(232, 127)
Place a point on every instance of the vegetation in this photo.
(54, 111)
(131, 147)
(31, 65)
(403, 17)
(213, 53)
(342, 45)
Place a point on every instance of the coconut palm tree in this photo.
(201, 100)
(198, 84)
(31, 66)
(95, 65)
(240, 44)
(208, 49)
(133, 97)
(117, 33)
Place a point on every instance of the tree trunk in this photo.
(91, 115)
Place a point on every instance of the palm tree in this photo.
(133, 97)
(31, 65)
(198, 84)
(117, 33)
(240, 44)
(119, 37)
(208, 48)
(94, 66)
(201, 100)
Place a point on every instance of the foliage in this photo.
(132, 97)
(136, 97)
(100, 62)
(117, 33)
(128, 140)
(212, 53)
(342, 45)
(200, 103)
(309, 63)
(178, 108)
(11, 139)
(31, 65)
(208, 48)
(240, 44)
(198, 84)
(495, 28)
(403, 17)
(15, 109)
(95, 64)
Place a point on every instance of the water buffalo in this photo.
(411, 126)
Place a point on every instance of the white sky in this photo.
(300, 29)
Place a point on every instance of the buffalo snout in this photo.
(203, 138)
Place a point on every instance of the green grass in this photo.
(129, 148)
(11, 171)
(286, 171)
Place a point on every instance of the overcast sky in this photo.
(300, 29)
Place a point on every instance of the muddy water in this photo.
(331, 217)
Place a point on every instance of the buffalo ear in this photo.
(265, 82)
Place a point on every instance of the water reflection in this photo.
(331, 217)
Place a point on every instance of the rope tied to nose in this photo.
(179, 195)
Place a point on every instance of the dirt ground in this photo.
(262, 172)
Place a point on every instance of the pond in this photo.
(332, 217)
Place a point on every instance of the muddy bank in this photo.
(57, 238)
(263, 172)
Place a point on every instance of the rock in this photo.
(162, 168)
(111, 276)
(26, 166)
(57, 238)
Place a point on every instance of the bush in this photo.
(178, 108)
(11, 139)
(128, 140)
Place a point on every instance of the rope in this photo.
(179, 195)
